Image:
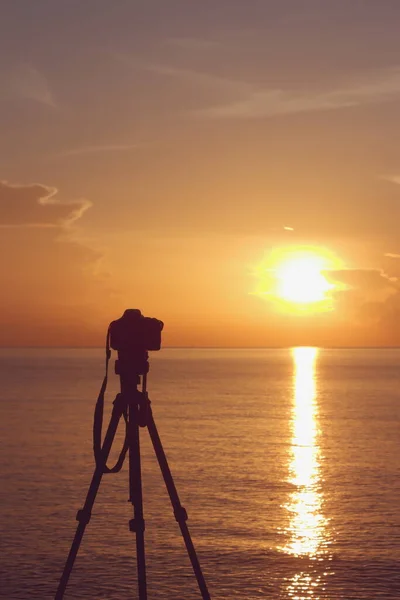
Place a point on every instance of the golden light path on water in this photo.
(307, 533)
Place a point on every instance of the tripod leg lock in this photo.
(119, 400)
(83, 516)
(137, 525)
(180, 514)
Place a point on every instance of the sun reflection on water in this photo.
(307, 535)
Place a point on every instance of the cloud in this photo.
(392, 255)
(262, 103)
(52, 278)
(392, 178)
(269, 103)
(191, 77)
(249, 100)
(35, 205)
(193, 43)
(201, 78)
(25, 81)
(368, 298)
(100, 148)
(365, 280)
(382, 319)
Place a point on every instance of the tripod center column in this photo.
(129, 382)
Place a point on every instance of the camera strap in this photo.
(98, 422)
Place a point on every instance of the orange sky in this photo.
(158, 159)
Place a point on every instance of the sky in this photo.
(156, 155)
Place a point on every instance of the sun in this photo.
(294, 279)
(300, 280)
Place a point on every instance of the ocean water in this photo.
(287, 461)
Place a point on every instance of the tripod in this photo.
(134, 406)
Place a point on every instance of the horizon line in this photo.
(285, 347)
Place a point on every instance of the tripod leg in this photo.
(83, 515)
(135, 486)
(179, 512)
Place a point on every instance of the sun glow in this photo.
(295, 278)
(300, 279)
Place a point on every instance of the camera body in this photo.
(135, 333)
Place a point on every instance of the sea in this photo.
(286, 460)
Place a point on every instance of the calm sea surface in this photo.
(287, 461)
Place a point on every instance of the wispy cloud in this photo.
(98, 149)
(368, 280)
(193, 43)
(26, 81)
(262, 103)
(36, 205)
(215, 83)
(248, 100)
(200, 78)
(392, 178)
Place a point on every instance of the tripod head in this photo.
(133, 335)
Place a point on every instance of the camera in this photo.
(135, 333)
